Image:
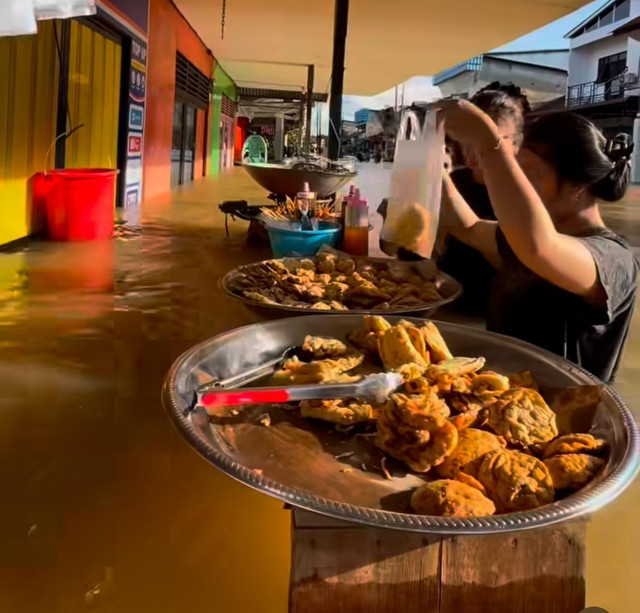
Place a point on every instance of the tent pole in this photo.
(307, 136)
(337, 77)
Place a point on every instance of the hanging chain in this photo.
(224, 17)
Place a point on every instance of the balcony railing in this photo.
(595, 92)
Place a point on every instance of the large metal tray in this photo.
(294, 459)
(448, 287)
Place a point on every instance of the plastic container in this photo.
(80, 204)
(288, 240)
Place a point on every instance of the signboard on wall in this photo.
(137, 99)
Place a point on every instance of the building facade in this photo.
(604, 64)
(541, 75)
(134, 84)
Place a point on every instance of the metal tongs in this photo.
(372, 388)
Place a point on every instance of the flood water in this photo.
(105, 507)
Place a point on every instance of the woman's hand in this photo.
(465, 123)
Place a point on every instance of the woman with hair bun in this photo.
(564, 281)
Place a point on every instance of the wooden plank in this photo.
(363, 570)
(337, 566)
(529, 572)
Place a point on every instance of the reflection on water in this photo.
(87, 333)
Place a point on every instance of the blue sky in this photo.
(421, 88)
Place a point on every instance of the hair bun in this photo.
(619, 148)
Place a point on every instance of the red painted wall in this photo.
(169, 33)
(242, 123)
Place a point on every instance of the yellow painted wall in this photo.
(94, 99)
(28, 103)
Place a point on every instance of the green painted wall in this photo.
(222, 84)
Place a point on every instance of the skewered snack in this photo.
(333, 281)
(490, 441)
(289, 211)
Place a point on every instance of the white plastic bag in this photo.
(416, 185)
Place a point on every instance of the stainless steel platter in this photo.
(295, 460)
(448, 287)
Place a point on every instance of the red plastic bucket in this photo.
(79, 203)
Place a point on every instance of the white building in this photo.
(604, 64)
(541, 75)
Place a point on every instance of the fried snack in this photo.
(410, 372)
(376, 323)
(488, 382)
(429, 402)
(573, 443)
(295, 372)
(396, 349)
(572, 471)
(338, 282)
(515, 481)
(436, 345)
(524, 379)
(522, 416)
(419, 439)
(417, 386)
(447, 498)
(470, 419)
(368, 341)
(327, 262)
(444, 373)
(343, 412)
(321, 347)
(466, 458)
(417, 340)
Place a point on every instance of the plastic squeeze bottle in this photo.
(306, 200)
(345, 201)
(356, 225)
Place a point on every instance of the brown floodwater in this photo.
(105, 507)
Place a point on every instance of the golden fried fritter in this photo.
(470, 419)
(466, 458)
(448, 498)
(414, 436)
(573, 443)
(515, 481)
(522, 416)
(571, 471)
(344, 412)
(295, 372)
(435, 343)
(396, 349)
(322, 347)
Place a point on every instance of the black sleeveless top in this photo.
(525, 306)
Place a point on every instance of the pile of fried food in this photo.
(490, 441)
(333, 282)
(289, 211)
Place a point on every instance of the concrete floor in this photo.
(105, 508)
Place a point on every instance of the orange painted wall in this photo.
(168, 33)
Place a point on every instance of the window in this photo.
(622, 9)
(606, 18)
(611, 66)
(590, 27)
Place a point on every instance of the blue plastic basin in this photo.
(288, 240)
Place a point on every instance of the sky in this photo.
(421, 88)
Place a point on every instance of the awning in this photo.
(254, 93)
(387, 42)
